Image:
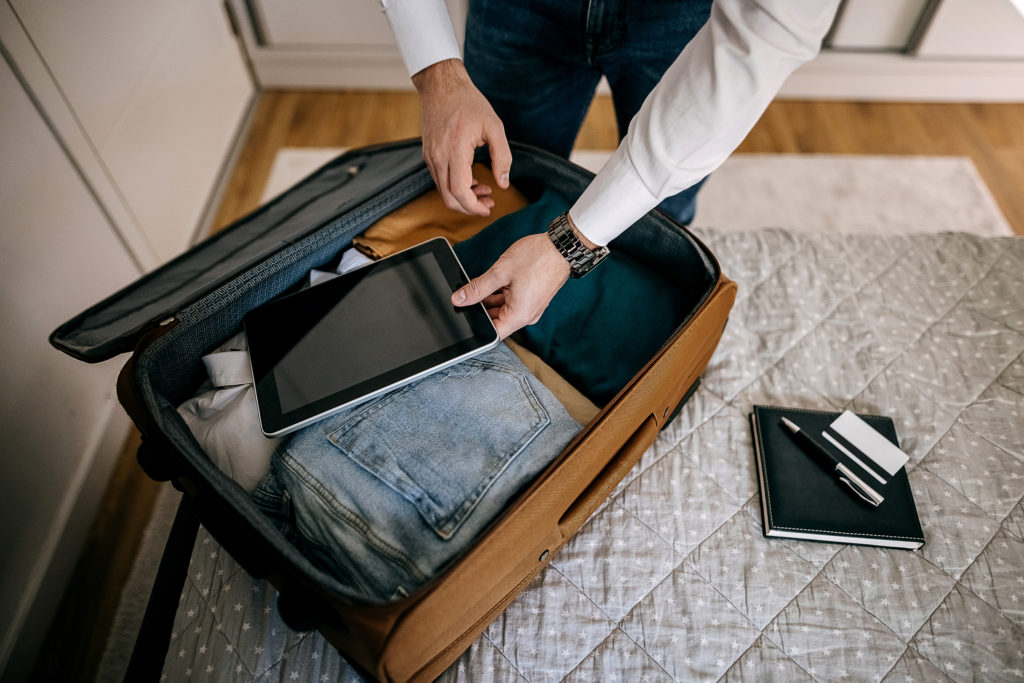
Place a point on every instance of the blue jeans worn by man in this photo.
(538, 63)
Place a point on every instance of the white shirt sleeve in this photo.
(703, 107)
(423, 30)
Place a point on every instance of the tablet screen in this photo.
(360, 334)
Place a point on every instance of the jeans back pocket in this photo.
(443, 441)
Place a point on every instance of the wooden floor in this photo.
(990, 134)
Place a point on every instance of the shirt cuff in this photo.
(423, 30)
(613, 201)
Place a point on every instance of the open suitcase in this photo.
(171, 317)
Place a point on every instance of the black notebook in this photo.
(801, 500)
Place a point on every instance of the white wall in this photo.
(158, 89)
(116, 121)
(58, 255)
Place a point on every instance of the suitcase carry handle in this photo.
(599, 489)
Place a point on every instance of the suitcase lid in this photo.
(114, 325)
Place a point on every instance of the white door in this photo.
(58, 255)
(116, 117)
(159, 89)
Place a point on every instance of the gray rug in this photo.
(842, 194)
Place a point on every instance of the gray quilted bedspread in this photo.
(672, 577)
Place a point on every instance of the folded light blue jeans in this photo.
(385, 494)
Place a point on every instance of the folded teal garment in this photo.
(599, 330)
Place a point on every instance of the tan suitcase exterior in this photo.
(170, 318)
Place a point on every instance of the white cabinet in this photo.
(156, 91)
(919, 50)
(58, 254)
(960, 50)
(116, 118)
(324, 24)
(939, 29)
(326, 43)
(975, 29)
(878, 25)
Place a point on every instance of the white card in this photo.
(875, 446)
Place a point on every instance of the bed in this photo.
(672, 578)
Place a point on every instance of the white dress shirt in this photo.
(700, 111)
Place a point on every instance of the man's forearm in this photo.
(440, 77)
(704, 106)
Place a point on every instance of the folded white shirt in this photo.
(350, 260)
(226, 422)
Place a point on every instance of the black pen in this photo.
(830, 464)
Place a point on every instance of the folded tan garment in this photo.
(581, 408)
(427, 217)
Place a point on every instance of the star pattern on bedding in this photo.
(672, 578)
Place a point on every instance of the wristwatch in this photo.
(581, 259)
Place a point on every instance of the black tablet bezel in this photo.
(261, 321)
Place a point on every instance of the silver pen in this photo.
(830, 464)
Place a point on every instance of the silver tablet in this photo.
(360, 335)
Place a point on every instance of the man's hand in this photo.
(456, 119)
(520, 285)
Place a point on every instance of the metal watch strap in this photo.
(581, 259)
